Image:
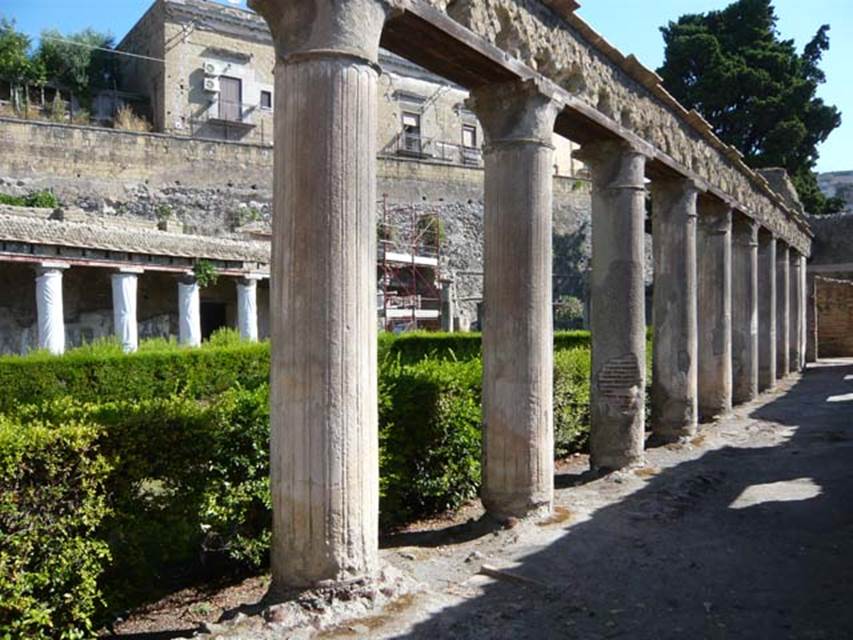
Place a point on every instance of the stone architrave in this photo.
(324, 436)
(674, 379)
(518, 435)
(247, 308)
(766, 310)
(124, 288)
(189, 312)
(617, 304)
(783, 314)
(744, 310)
(715, 308)
(49, 307)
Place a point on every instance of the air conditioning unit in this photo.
(211, 69)
(211, 85)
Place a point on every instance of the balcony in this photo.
(417, 146)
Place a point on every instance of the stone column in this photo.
(744, 310)
(795, 309)
(804, 324)
(715, 308)
(324, 440)
(49, 307)
(518, 437)
(189, 312)
(124, 285)
(674, 381)
(448, 309)
(811, 318)
(766, 310)
(617, 304)
(783, 290)
(247, 308)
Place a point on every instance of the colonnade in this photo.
(50, 307)
(715, 328)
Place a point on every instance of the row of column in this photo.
(50, 308)
(324, 457)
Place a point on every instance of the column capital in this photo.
(615, 164)
(522, 112)
(323, 28)
(676, 188)
(128, 271)
(716, 217)
(49, 266)
(745, 231)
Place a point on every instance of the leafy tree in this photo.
(16, 63)
(78, 60)
(755, 89)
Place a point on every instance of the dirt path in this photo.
(747, 532)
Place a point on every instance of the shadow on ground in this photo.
(743, 542)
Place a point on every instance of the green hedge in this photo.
(53, 499)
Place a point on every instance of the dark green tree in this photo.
(755, 89)
(79, 61)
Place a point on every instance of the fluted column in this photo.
(674, 381)
(247, 308)
(766, 310)
(124, 287)
(49, 307)
(715, 308)
(617, 305)
(518, 436)
(324, 440)
(795, 310)
(783, 314)
(189, 311)
(744, 310)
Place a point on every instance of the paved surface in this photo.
(745, 532)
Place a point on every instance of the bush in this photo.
(52, 500)
(571, 401)
(36, 199)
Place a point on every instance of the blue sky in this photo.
(631, 25)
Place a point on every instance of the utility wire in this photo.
(105, 49)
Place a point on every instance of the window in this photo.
(412, 132)
(469, 136)
(266, 99)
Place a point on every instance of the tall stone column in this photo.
(674, 380)
(124, 286)
(247, 308)
(617, 304)
(783, 291)
(796, 308)
(518, 436)
(448, 308)
(811, 318)
(189, 311)
(324, 448)
(804, 324)
(766, 310)
(49, 307)
(744, 310)
(715, 308)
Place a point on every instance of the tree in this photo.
(755, 89)
(16, 64)
(78, 60)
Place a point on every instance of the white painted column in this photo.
(324, 458)
(189, 312)
(518, 341)
(124, 285)
(49, 307)
(247, 308)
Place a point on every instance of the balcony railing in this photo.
(417, 146)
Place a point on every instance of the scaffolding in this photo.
(409, 265)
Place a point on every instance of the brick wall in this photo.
(834, 317)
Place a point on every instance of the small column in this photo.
(189, 312)
(617, 304)
(448, 309)
(783, 291)
(796, 309)
(715, 308)
(324, 458)
(518, 436)
(811, 318)
(674, 381)
(124, 285)
(49, 307)
(744, 310)
(766, 310)
(247, 308)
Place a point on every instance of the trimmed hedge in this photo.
(53, 498)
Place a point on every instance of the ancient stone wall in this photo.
(834, 318)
